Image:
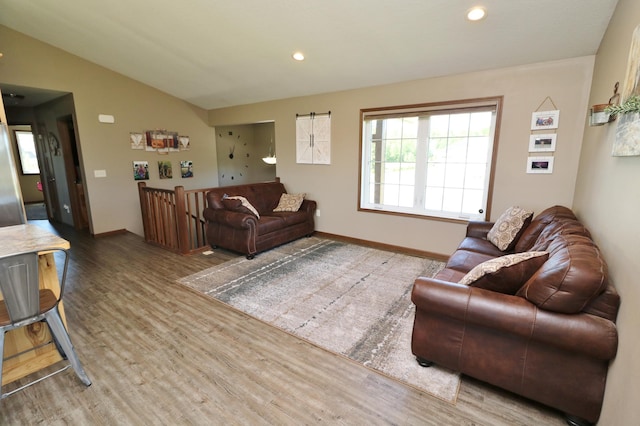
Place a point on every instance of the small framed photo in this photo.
(541, 120)
(542, 143)
(540, 165)
(165, 170)
(186, 169)
(141, 170)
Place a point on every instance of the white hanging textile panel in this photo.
(313, 138)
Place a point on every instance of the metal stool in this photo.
(25, 303)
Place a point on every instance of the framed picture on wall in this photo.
(541, 120)
(141, 170)
(540, 165)
(542, 142)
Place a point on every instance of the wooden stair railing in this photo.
(173, 219)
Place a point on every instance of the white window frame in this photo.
(418, 209)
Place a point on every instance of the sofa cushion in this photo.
(268, 224)
(531, 233)
(505, 274)
(560, 227)
(240, 204)
(292, 218)
(506, 230)
(573, 276)
(464, 260)
(479, 245)
(289, 202)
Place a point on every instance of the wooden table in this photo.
(19, 358)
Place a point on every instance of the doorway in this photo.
(25, 152)
(69, 146)
(51, 117)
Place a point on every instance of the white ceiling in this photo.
(218, 53)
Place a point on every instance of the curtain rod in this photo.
(313, 114)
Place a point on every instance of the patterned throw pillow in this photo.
(505, 274)
(505, 231)
(289, 202)
(239, 204)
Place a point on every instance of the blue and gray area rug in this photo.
(349, 299)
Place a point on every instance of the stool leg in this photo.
(60, 333)
(1, 360)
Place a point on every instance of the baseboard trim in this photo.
(107, 234)
(382, 246)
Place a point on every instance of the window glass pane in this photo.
(435, 174)
(459, 125)
(392, 173)
(454, 176)
(372, 191)
(27, 152)
(457, 150)
(409, 147)
(374, 176)
(433, 198)
(452, 200)
(406, 196)
(374, 149)
(480, 124)
(393, 128)
(439, 126)
(410, 127)
(472, 201)
(408, 174)
(389, 195)
(392, 150)
(437, 150)
(475, 176)
(478, 150)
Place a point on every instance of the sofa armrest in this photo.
(308, 206)
(230, 218)
(478, 229)
(472, 306)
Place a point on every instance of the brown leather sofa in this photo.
(234, 228)
(550, 338)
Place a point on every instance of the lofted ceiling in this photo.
(219, 53)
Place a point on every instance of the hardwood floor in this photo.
(159, 353)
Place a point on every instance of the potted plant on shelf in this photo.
(631, 105)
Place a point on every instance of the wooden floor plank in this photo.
(159, 353)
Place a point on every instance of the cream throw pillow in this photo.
(289, 202)
(245, 203)
(507, 227)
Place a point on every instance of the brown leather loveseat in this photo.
(234, 226)
(543, 328)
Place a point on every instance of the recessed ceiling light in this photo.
(476, 13)
(298, 56)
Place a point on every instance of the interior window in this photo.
(429, 160)
(27, 153)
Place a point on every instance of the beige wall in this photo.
(249, 143)
(608, 201)
(335, 186)
(113, 200)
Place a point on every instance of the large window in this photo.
(430, 160)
